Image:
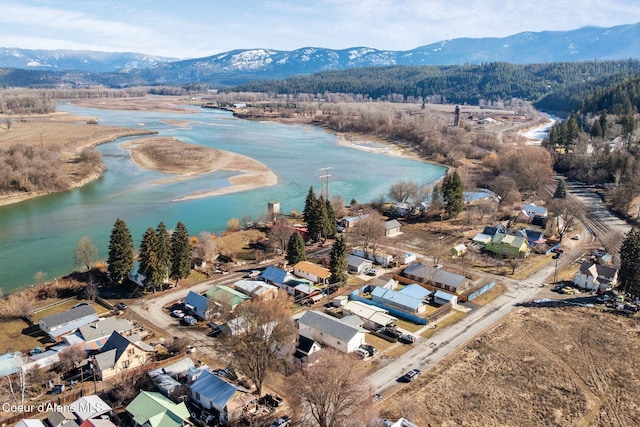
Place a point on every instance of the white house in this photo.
(391, 228)
(311, 271)
(330, 331)
(371, 315)
(594, 276)
(531, 210)
(357, 265)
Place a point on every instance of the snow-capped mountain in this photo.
(240, 66)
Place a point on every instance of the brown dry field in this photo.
(551, 366)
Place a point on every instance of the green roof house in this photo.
(508, 245)
(151, 409)
(221, 294)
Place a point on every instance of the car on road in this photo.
(121, 306)
(407, 339)
(188, 321)
(412, 375)
(178, 313)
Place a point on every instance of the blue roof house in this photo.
(212, 392)
(197, 304)
(410, 299)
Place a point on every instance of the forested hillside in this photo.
(554, 87)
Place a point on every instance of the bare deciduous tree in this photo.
(91, 291)
(530, 167)
(71, 357)
(369, 231)
(566, 214)
(332, 391)
(264, 337)
(280, 233)
(401, 191)
(85, 253)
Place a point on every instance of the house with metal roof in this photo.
(197, 304)
(442, 298)
(530, 210)
(30, 422)
(224, 295)
(392, 228)
(310, 271)
(212, 392)
(282, 279)
(508, 245)
(410, 299)
(60, 324)
(256, 288)
(93, 335)
(97, 422)
(437, 277)
(330, 331)
(61, 418)
(358, 265)
(10, 363)
(371, 315)
(120, 353)
(152, 409)
(88, 407)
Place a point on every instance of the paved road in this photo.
(426, 353)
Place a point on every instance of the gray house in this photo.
(437, 277)
(68, 321)
(357, 265)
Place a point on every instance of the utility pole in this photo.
(324, 180)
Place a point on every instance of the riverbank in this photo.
(172, 156)
(69, 135)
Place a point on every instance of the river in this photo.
(40, 235)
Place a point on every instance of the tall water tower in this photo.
(273, 210)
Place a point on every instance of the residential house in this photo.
(306, 290)
(30, 422)
(392, 228)
(372, 316)
(403, 208)
(197, 305)
(69, 321)
(402, 422)
(165, 378)
(313, 272)
(531, 210)
(256, 288)
(212, 392)
(533, 237)
(97, 422)
(508, 245)
(442, 298)
(151, 409)
(305, 348)
(350, 221)
(330, 331)
(10, 363)
(225, 296)
(482, 239)
(384, 282)
(120, 353)
(409, 299)
(438, 277)
(593, 276)
(93, 335)
(62, 418)
(88, 407)
(357, 265)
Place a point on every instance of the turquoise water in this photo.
(41, 234)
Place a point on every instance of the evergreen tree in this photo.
(322, 216)
(596, 130)
(332, 225)
(180, 253)
(295, 249)
(120, 261)
(338, 261)
(561, 190)
(629, 274)
(164, 249)
(309, 206)
(436, 202)
(149, 259)
(453, 194)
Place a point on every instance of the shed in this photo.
(392, 228)
(340, 301)
(357, 265)
(458, 250)
(442, 298)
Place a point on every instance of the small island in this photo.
(172, 156)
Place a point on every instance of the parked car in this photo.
(188, 321)
(281, 422)
(121, 306)
(369, 349)
(567, 290)
(215, 329)
(178, 313)
(412, 375)
(407, 339)
(391, 332)
(376, 397)
(361, 353)
(272, 399)
(191, 349)
(370, 271)
(576, 237)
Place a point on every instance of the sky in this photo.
(198, 28)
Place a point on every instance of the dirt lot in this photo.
(541, 366)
